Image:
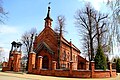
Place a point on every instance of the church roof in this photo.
(68, 43)
(80, 57)
(45, 46)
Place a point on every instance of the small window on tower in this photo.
(46, 23)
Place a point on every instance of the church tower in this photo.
(48, 19)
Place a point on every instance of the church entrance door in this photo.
(45, 62)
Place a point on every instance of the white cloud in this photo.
(5, 54)
(5, 29)
(96, 3)
(7, 35)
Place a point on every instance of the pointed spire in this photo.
(48, 14)
(48, 19)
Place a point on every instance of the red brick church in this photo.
(46, 45)
(53, 55)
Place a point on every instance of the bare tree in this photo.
(92, 26)
(86, 46)
(100, 23)
(3, 13)
(60, 29)
(27, 40)
(114, 28)
(115, 7)
(84, 22)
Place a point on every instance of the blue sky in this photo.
(26, 14)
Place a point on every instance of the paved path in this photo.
(11, 78)
(21, 76)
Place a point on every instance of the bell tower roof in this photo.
(48, 19)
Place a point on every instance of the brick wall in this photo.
(5, 69)
(46, 72)
(63, 73)
(16, 62)
(114, 73)
(31, 65)
(13, 63)
(101, 74)
(75, 73)
(81, 74)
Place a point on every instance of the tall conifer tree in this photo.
(100, 59)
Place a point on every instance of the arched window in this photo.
(76, 58)
(73, 57)
(64, 55)
(68, 57)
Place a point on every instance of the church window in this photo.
(76, 58)
(64, 55)
(63, 65)
(68, 56)
(68, 53)
(68, 65)
(73, 57)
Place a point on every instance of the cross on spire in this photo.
(49, 3)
